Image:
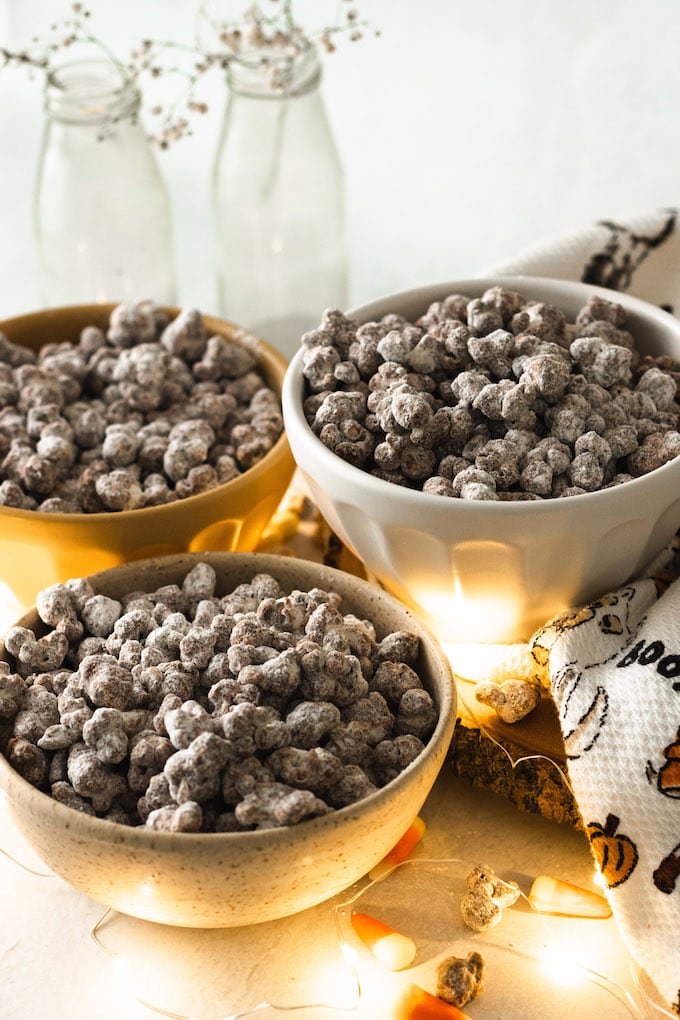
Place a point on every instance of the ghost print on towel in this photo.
(614, 669)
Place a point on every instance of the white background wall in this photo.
(468, 129)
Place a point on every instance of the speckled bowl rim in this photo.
(104, 830)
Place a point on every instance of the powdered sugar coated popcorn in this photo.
(187, 709)
(144, 413)
(438, 404)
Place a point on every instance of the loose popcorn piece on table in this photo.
(459, 980)
(511, 699)
(487, 896)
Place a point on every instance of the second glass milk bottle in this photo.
(278, 196)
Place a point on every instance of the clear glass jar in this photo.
(102, 212)
(278, 196)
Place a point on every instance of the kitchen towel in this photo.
(613, 667)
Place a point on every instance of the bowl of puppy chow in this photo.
(496, 451)
(219, 739)
(131, 431)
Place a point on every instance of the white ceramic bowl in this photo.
(493, 571)
(221, 880)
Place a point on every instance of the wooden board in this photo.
(524, 762)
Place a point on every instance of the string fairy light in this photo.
(26, 867)
(399, 995)
(124, 974)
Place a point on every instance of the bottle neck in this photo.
(275, 72)
(90, 92)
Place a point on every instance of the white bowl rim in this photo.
(422, 501)
(139, 837)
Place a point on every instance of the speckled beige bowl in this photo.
(39, 549)
(223, 880)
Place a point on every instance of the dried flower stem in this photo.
(266, 27)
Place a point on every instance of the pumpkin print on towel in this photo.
(667, 778)
(667, 781)
(616, 854)
(666, 876)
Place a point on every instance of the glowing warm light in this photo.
(486, 614)
(553, 896)
(390, 948)
(400, 851)
(478, 661)
(332, 985)
(349, 953)
(599, 879)
(10, 609)
(560, 965)
(121, 968)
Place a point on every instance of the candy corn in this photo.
(400, 851)
(389, 947)
(414, 1003)
(553, 896)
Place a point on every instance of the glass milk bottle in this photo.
(278, 198)
(102, 213)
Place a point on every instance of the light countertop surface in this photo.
(453, 161)
(52, 967)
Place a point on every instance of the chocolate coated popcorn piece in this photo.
(486, 897)
(459, 980)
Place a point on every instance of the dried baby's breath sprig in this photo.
(267, 31)
(42, 54)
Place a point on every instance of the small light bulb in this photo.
(560, 964)
(121, 968)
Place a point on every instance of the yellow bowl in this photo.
(39, 549)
